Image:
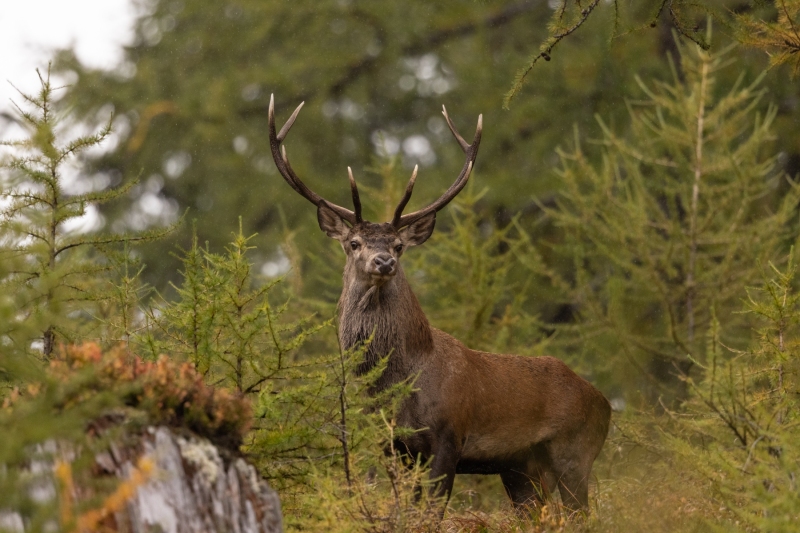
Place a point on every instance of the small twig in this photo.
(546, 50)
(343, 419)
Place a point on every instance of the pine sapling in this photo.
(60, 267)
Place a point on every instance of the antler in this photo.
(471, 152)
(282, 162)
(406, 197)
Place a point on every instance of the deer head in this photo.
(373, 249)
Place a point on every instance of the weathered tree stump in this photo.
(194, 490)
(193, 487)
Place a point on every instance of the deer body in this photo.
(531, 420)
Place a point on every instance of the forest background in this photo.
(632, 212)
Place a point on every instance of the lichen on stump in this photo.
(193, 488)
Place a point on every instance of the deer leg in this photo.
(572, 467)
(574, 488)
(529, 487)
(520, 488)
(443, 469)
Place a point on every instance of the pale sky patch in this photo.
(31, 29)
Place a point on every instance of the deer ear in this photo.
(331, 223)
(418, 232)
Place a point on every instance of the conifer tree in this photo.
(670, 227)
(223, 322)
(736, 434)
(120, 316)
(57, 271)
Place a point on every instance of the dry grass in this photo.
(633, 491)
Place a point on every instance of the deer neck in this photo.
(392, 316)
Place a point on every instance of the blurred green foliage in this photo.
(191, 98)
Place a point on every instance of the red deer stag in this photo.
(530, 419)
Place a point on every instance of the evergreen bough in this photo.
(58, 271)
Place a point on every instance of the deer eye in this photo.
(398, 248)
(354, 245)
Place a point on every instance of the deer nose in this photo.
(385, 263)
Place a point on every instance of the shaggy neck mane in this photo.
(392, 316)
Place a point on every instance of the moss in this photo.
(161, 392)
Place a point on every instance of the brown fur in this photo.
(530, 419)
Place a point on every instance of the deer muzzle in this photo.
(383, 265)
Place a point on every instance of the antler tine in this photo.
(471, 152)
(289, 123)
(282, 162)
(406, 197)
(354, 191)
(459, 138)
